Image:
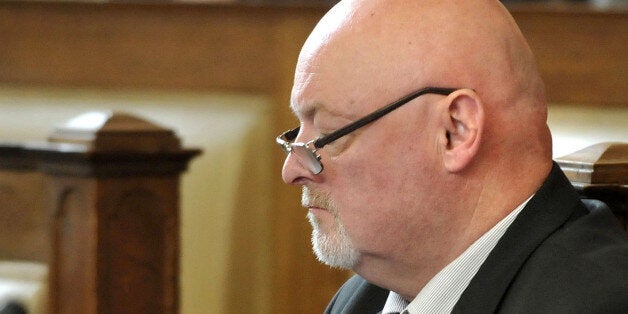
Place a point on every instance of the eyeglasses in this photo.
(306, 152)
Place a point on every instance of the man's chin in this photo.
(334, 252)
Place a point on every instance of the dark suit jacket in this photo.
(558, 256)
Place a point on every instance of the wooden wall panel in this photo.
(580, 50)
(144, 46)
(581, 53)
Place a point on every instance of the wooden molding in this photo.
(601, 172)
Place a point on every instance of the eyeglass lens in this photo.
(306, 157)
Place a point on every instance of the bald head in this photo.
(435, 169)
(374, 51)
(409, 44)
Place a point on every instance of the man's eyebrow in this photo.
(307, 111)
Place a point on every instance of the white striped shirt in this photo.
(442, 292)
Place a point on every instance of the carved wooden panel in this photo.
(138, 248)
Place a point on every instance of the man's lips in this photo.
(315, 208)
(312, 206)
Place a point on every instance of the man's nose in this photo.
(294, 172)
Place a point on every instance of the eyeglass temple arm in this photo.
(378, 114)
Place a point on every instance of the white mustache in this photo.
(310, 198)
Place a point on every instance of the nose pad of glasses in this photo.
(307, 159)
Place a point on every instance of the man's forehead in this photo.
(335, 82)
(309, 109)
(316, 87)
(368, 59)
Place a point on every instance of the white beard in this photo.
(335, 248)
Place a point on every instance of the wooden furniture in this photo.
(601, 172)
(109, 221)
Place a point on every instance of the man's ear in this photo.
(464, 125)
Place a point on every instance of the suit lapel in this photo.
(550, 208)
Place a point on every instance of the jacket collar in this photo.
(549, 208)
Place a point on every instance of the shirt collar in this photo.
(442, 292)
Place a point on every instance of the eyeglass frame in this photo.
(285, 139)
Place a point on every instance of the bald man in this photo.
(425, 161)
